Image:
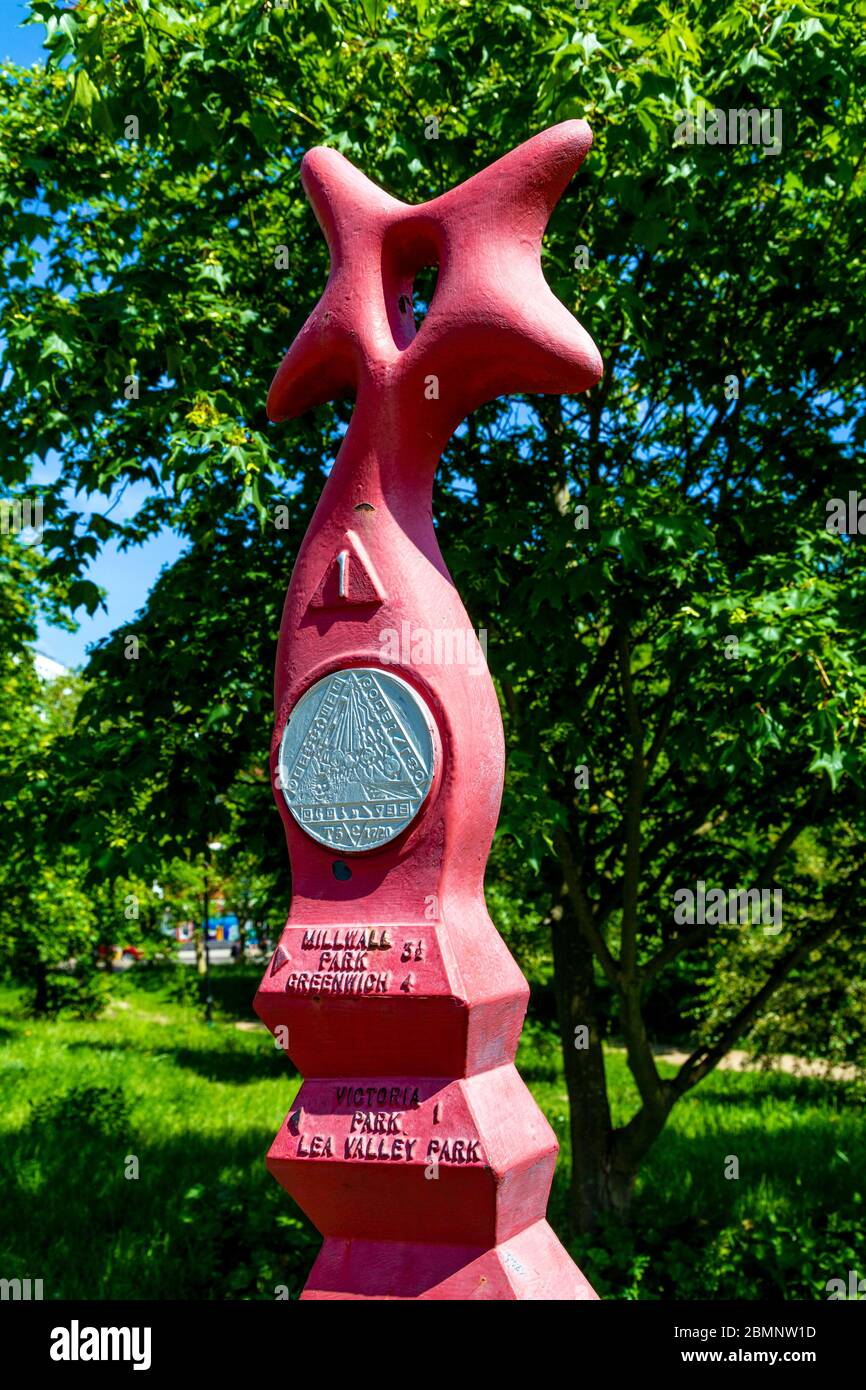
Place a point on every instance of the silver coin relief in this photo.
(357, 758)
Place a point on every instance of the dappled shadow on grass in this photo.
(799, 1162)
(791, 1220)
(237, 1068)
(233, 985)
(735, 1089)
(221, 1065)
(203, 1219)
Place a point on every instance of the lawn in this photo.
(198, 1106)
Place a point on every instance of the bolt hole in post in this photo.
(341, 870)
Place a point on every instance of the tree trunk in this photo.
(199, 951)
(40, 992)
(592, 1188)
(262, 935)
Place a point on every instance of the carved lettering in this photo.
(316, 982)
(343, 960)
(346, 939)
(387, 1150)
(454, 1150)
(318, 1146)
(398, 1097)
(377, 1122)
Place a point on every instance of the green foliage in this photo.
(522, 926)
(79, 992)
(47, 920)
(101, 1111)
(817, 1014)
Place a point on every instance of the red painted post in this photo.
(413, 1144)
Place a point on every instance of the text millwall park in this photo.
(413, 1144)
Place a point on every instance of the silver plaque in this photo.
(357, 758)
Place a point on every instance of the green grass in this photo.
(199, 1107)
(794, 1218)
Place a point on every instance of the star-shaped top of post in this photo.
(493, 327)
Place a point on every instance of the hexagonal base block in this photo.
(531, 1265)
(392, 999)
(466, 1161)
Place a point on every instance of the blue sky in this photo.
(127, 578)
(21, 45)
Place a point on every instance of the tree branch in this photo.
(703, 1060)
(583, 908)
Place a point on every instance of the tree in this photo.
(47, 922)
(253, 896)
(673, 629)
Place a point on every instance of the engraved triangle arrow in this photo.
(350, 578)
(280, 959)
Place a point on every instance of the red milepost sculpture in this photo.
(413, 1144)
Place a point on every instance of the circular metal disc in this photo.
(357, 758)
